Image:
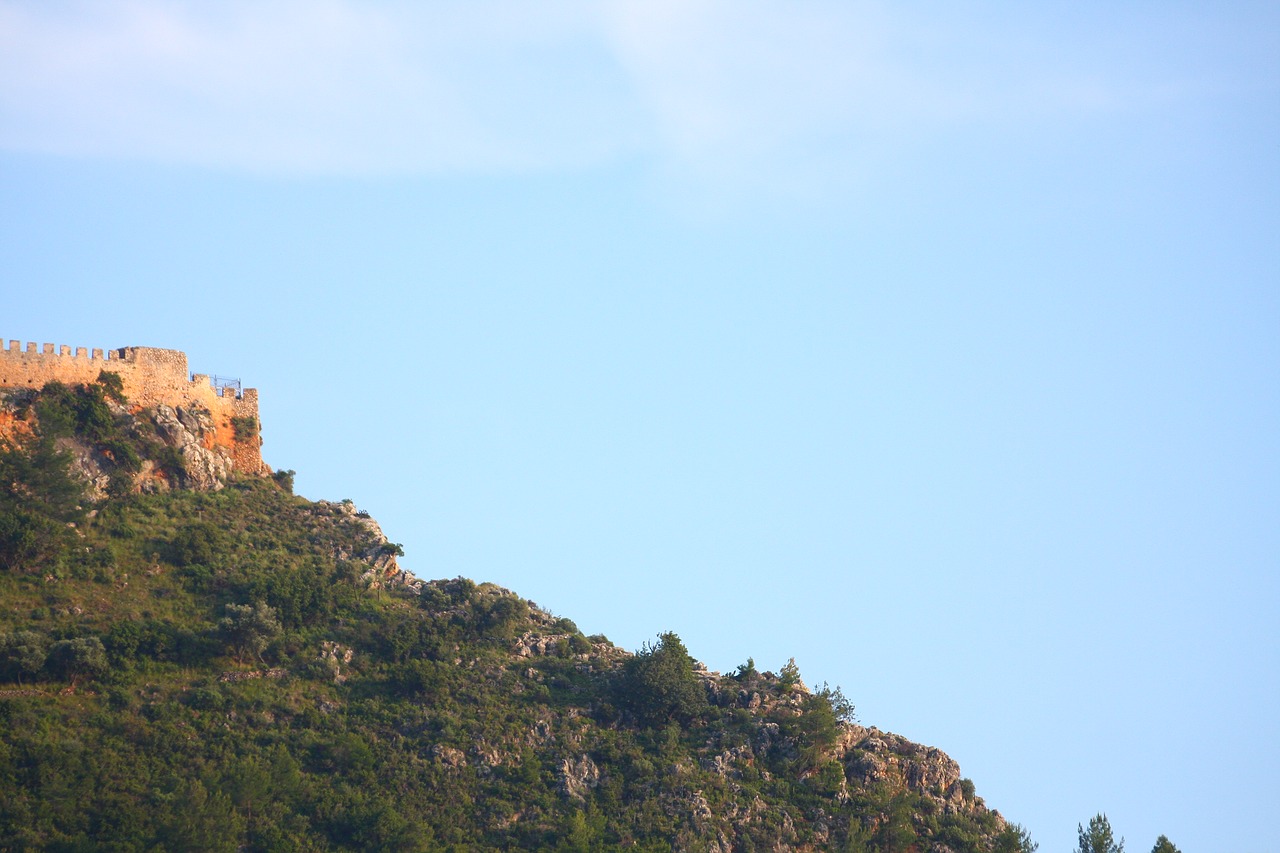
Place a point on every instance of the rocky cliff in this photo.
(142, 450)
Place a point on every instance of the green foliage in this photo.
(1164, 845)
(896, 831)
(79, 410)
(38, 498)
(22, 653)
(658, 685)
(1015, 839)
(817, 726)
(1097, 838)
(790, 675)
(248, 629)
(841, 708)
(504, 616)
(77, 659)
(37, 478)
(400, 721)
(200, 543)
(200, 820)
(284, 479)
(36, 485)
(246, 427)
(112, 386)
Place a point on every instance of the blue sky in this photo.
(934, 345)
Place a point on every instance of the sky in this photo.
(934, 345)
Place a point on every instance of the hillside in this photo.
(194, 658)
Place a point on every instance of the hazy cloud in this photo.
(708, 87)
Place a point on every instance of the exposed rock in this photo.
(249, 675)
(448, 756)
(369, 545)
(190, 431)
(876, 757)
(578, 776)
(333, 657)
(729, 762)
(538, 645)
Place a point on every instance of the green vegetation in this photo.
(246, 428)
(211, 671)
(658, 685)
(1015, 839)
(1097, 838)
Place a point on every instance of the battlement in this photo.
(149, 377)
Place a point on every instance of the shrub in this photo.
(284, 479)
(248, 629)
(246, 428)
(112, 385)
(197, 544)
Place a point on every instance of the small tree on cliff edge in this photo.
(1098, 837)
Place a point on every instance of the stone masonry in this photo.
(151, 377)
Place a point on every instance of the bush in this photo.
(246, 428)
(197, 544)
(112, 386)
(248, 629)
(284, 479)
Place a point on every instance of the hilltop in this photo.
(192, 657)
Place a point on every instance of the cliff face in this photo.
(140, 449)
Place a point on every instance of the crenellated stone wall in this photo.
(150, 377)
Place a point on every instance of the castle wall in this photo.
(149, 376)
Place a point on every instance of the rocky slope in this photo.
(174, 446)
(201, 638)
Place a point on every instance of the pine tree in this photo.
(1098, 837)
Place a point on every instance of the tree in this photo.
(112, 386)
(659, 684)
(248, 629)
(790, 675)
(1164, 845)
(74, 659)
(200, 820)
(895, 831)
(1015, 839)
(1098, 837)
(22, 652)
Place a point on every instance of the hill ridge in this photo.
(263, 660)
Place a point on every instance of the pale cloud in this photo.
(309, 86)
(710, 88)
